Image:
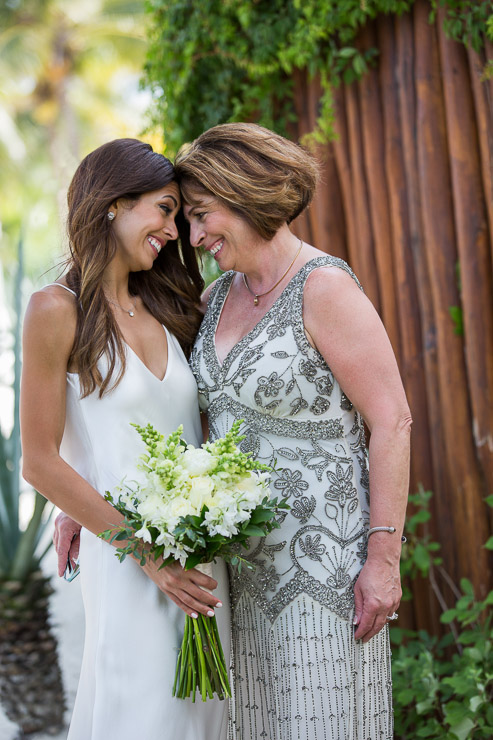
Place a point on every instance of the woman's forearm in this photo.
(389, 484)
(64, 487)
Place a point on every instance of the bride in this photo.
(103, 347)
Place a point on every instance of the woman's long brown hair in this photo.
(123, 169)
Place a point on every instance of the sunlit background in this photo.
(70, 80)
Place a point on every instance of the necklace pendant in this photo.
(255, 301)
(131, 314)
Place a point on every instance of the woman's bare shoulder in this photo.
(330, 282)
(51, 318)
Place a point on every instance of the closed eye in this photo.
(166, 209)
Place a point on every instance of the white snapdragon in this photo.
(144, 534)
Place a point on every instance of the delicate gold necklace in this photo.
(256, 296)
(131, 313)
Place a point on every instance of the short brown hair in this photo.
(259, 175)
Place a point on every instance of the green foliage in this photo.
(419, 553)
(456, 312)
(227, 60)
(443, 688)
(457, 317)
(19, 556)
(465, 21)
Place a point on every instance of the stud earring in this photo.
(111, 215)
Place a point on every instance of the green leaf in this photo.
(347, 52)
(489, 544)
(475, 702)
(193, 560)
(428, 731)
(448, 616)
(462, 731)
(422, 557)
(262, 515)
(467, 586)
(421, 516)
(359, 65)
(405, 697)
(253, 531)
(456, 315)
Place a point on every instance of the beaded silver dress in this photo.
(298, 672)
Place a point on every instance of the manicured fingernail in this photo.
(210, 613)
(355, 620)
(193, 615)
(219, 603)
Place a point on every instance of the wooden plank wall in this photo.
(407, 200)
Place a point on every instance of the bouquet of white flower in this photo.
(194, 505)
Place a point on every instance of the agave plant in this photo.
(19, 554)
(28, 659)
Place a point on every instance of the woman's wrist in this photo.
(384, 547)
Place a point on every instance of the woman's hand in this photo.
(185, 587)
(66, 539)
(377, 595)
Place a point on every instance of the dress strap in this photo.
(325, 260)
(60, 285)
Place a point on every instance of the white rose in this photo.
(247, 483)
(200, 491)
(197, 461)
(150, 506)
(180, 507)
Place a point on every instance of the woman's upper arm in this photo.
(349, 334)
(48, 336)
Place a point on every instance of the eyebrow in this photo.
(172, 198)
(196, 206)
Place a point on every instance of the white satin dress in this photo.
(133, 631)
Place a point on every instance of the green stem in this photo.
(214, 681)
(200, 663)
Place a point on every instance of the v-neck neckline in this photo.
(223, 365)
(168, 355)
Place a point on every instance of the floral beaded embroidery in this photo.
(296, 417)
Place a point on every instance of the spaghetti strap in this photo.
(62, 286)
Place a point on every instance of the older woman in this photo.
(290, 344)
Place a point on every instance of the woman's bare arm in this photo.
(49, 330)
(344, 326)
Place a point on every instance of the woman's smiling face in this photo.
(218, 230)
(142, 229)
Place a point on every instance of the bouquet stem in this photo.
(201, 664)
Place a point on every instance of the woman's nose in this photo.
(171, 230)
(197, 235)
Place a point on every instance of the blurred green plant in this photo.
(69, 81)
(419, 552)
(456, 313)
(216, 60)
(19, 548)
(443, 687)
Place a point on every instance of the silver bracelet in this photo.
(390, 530)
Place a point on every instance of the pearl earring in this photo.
(111, 215)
